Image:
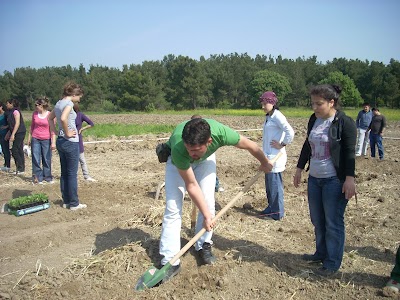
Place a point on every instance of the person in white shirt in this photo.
(277, 133)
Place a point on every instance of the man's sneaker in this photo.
(90, 179)
(206, 255)
(324, 272)
(80, 206)
(5, 169)
(51, 181)
(393, 285)
(171, 272)
(65, 205)
(311, 258)
(19, 173)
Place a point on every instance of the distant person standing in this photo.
(16, 134)
(277, 133)
(80, 118)
(42, 142)
(68, 144)
(5, 145)
(363, 120)
(378, 123)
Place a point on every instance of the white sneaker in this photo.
(5, 169)
(19, 173)
(90, 179)
(65, 206)
(80, 206)
(51, 182)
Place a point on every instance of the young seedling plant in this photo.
(27, 201)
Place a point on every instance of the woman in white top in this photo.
(277, 133)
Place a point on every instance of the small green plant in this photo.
(23, 201)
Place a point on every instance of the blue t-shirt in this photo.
(3, 122)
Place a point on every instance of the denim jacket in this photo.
(342, 142)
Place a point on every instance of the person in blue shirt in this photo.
(363, 120)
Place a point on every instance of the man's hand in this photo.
(208, 224)
(266, 168)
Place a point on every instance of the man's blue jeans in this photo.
(274, 190)
(376, 139)
(69, 160)
(41, 154)
(327, 205)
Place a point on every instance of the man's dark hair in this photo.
(366, 104)
(196, 132)
(375, 109)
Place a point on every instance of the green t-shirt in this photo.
(221, 136)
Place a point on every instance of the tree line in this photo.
(220, 81)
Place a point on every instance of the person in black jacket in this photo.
(16, 134)
(329, 150)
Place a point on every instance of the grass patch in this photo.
(106, 130)
(289, 112)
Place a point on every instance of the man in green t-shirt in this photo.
(191, 167)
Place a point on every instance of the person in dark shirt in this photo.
(80, 118)
(16, 134)
(378, 123)
(5, 145)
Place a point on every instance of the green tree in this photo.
(272, 81)
(350, 95)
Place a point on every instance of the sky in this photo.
(113, 33)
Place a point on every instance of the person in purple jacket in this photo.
(80, 118)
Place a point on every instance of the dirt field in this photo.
(101, 252)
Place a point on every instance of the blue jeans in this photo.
(274, 190)
(376, 139)
(69, 160)
(41, 154)
(327, 205)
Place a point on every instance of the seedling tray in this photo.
(32, 209)
(28, 204)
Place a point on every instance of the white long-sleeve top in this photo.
(276, 127)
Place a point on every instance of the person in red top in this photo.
(42, 141)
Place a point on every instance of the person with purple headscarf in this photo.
(277, 133)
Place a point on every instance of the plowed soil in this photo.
(101, 252)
